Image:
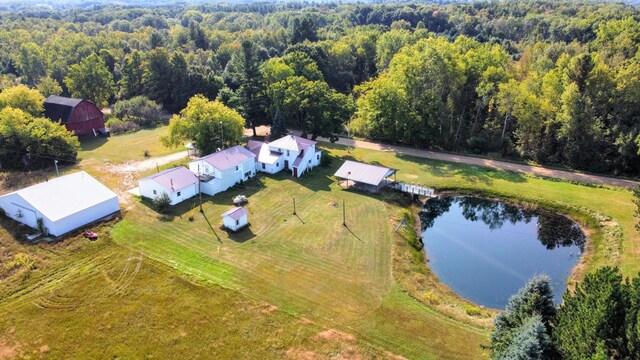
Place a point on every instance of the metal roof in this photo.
(228, 158)
(174, 179)
(363, 173)
(59, 108)
(65, 195)
(292, 142)
(236, 213)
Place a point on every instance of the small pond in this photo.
(485, 250)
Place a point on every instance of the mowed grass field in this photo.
(289, 286)
(307, 264)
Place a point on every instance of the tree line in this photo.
(599, 320)
(553, 82)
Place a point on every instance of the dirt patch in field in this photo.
(268, 309)
(335, 335)
(9, 350)
(392, 356)
(411, 176)
(299, 354)
(306, 321)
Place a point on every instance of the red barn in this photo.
(82, 117)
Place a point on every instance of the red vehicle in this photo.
(90, 235)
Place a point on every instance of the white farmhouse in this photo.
(236, 218)
(62, 204)
(223, 169)
(178, 183)
(266, 160)
(290, 152)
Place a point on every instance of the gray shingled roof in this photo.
(175, 178)
(363, 173)
(236, 213)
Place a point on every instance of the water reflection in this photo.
(486, 250)
(553, 230)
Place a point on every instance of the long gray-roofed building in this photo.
(364, 176)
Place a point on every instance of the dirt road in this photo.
(503, 165)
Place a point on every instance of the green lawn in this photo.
(307, 264)
(317, 273)
(118, 148)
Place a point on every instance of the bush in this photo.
(326, 160)
(117, 126)
(27, 141)
(139, 110)
(162, 203)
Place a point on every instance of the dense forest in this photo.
(557, 82)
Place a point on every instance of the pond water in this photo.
(486, 250)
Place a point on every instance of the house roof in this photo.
(174, 179)
(292, 142)
(363, 173)
(65, 195)
(236, 213)
(262, 152)
(228, 158)
(59, 108)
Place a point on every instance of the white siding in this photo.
(148, 186)
(234, 175)
(11, 203)
(234, 225)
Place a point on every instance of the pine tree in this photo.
(534, 300)
(530, 341)
(278, 128)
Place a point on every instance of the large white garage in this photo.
(64, 203)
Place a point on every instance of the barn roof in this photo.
(174, 179)
(59, 108)
(292, 142)
(236, 213)
(228, 158)
(65, 195)
(363, 173)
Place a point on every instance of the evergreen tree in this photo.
(592, 319)
(530, 341)
(534, 300)
(278, 127)
(131, 76)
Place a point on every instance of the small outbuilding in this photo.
(236, 218)
(178, 183)
(61, 205)
(364, 176)
(82, 117)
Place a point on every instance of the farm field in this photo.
(278, 286)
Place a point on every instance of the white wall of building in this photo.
(270, 168)
(12, 203)
(235, 225)
(151, 189)
(225, 179)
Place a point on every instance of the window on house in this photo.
(154, 192)
(236, 167)
(318, 157)
(277, 164)
(287, 152)
(248, 173)
(264, 166)
(178, 193)
(309, 161)
(237, 222)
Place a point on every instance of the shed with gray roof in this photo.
(364, 176)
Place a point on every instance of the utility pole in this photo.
(157, 167)
(55, 162)
(199, 189)
(344, 214)
(294, 206)
(221, 136)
